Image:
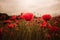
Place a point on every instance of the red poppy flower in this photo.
(49, 25)
(16, 21)
(13, 17)
(46, 17)
(44, 25)
(10, 26)
(1, 33)
(54, 28)
(7, 21)
(20, 17)
(1, 30)
(28, 16)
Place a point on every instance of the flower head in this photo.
(1, 30)
(46, 17)
(13, 17)
(54, 28)
(16, 21)
(20, 17)
(7, 21)
(10, 26)
(28, 16)
(43, 25)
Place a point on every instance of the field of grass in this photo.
(36, 29)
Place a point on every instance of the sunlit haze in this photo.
(37, 7)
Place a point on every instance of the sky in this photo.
(37, 7)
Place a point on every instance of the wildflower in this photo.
(1, 33)
(7, 21)
(43, 24)
(10, 26)
(16, 21)
(46, 17)
(20, 17)
(28, 16)
(13, 17)
(1, 30)
(15, 24)
(54, 28)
